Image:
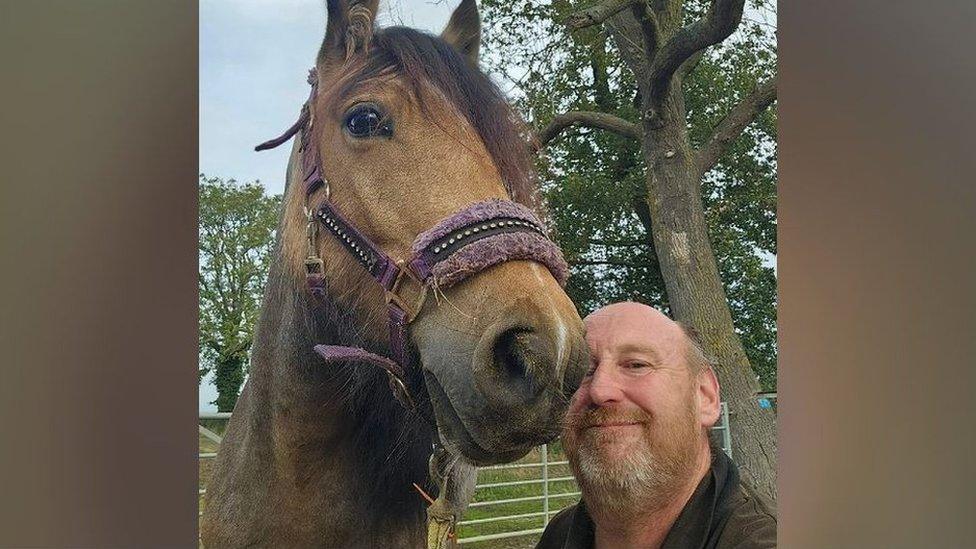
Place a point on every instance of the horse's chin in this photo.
(476, 455)
(457, 438)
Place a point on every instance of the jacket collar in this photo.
(706, 511)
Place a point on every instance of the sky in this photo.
(254, 57)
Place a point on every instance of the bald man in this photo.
(637, 440)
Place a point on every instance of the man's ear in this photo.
(709, 404)
(463, 31)
(348, 30)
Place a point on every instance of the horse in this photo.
(403, 140)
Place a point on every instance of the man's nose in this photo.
(604, 387)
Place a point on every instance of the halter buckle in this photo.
(313, 263)
(411, 307)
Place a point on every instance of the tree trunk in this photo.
(691, 277)
(228, 377)
(695, 291)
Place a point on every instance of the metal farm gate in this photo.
(511, 500)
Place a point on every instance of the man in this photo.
(636, 437)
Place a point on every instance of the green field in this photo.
(485, 476)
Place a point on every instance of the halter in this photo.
(477, 237)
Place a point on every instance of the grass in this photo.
(485, 476)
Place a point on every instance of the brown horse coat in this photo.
(324, 456)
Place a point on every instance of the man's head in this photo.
(638, 425)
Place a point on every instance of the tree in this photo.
(658, 162)
(237, 224)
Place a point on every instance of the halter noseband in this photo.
(471, 240)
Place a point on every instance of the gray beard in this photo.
(645, 479)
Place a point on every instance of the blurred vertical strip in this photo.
(98, 213)
(877, 209)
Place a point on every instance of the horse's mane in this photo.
(425, 60)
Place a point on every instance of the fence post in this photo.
(545, 484)
(727, 430)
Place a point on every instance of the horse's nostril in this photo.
(511, 353)
(517, 366)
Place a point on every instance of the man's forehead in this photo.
(631, 325)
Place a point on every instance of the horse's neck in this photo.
(340, 442)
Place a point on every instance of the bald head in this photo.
(630, 311)
(639, 321)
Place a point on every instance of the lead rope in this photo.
(456, 482)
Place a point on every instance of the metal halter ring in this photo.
(313, 263)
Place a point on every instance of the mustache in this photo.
(601, 416)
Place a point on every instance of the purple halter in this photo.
(471, 240)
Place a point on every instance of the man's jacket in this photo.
(721, 514)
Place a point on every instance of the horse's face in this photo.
(503, 351)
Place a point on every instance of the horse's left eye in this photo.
(364, 121)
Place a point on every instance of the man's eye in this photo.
(636, 365)
(366, 120)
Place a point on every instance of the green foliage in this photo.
(237, 224)
(594, 180)
(740, 192)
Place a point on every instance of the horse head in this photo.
(409, 131)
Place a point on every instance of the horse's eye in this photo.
(366, 120)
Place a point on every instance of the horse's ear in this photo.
(463, 31)
(348, 30)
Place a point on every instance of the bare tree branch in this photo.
(616, 243)
(627, 33)
(586, 119)
(689, 65)
(597, 14)
(722, 18)
(635, 264)
(732, 125)
(650, 30)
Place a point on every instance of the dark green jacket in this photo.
(721, 514)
